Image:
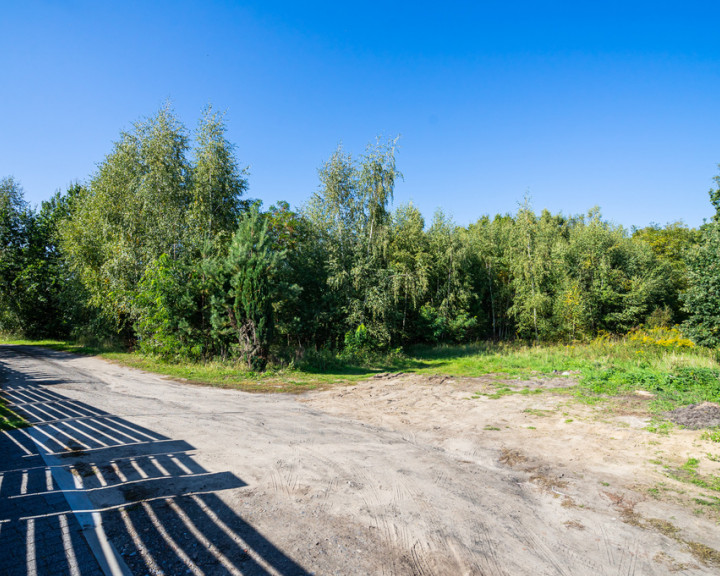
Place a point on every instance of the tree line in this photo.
(162, 248)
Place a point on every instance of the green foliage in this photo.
(447, 314)
(676, 387)
(688, 473)
(13, 216)
(701, 300)
(352, 222)
(168, 304)
(161, 246)
(39, 296)
(441, 327)
(358, 340)
(250, 282)
(218, 183)
(712, 434)
(148, 199)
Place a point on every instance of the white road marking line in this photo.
(118, 440)
(70, 438)
(63, 446)
(99, 475)
(135, 431)
(105, 434)
(74, 429)
(76, 478)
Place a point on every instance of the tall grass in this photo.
(658, 361)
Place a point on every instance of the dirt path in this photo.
(398, 475)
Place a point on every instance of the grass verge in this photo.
(9, 420)
(216, 373)
(605, 368)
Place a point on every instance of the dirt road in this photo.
(397, 475)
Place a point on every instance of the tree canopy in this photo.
(162, 247)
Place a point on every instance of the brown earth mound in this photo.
(696, 416)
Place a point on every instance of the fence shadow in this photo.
(159, 508)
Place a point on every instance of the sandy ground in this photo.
(397, 475)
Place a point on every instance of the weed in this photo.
(657, 362)
(660, 427)
(511, 457)
(670, 562)
(538, 412)
(663, 526)
(704, 553)
(9, 419)
(712, 434)
(713, 502)
(500, 392)
(688, 473)
(491, 428)
(691, 464)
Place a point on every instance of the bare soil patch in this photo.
(592, 467)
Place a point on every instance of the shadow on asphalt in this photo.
(159, 507)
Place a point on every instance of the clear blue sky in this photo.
(615, 104)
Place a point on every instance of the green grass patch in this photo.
(712, 434)
(230, 375)
(539, 412)
(671, 387)
(688, 473)
(482, 358)
(709, 501)
(94, 349)
(9, 420)
(604, 368)
(662, 427)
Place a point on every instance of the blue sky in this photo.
(615, 104)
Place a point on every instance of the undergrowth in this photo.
(658, 361)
